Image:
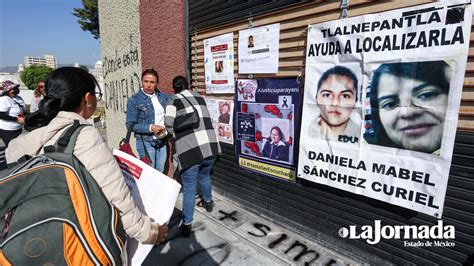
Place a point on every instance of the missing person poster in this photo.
(267, 111)
(222, 115)
(381, 102)
(219, 64)
(258, 49)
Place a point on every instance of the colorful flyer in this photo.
(267, 112)
(219, 64)
(222, 115)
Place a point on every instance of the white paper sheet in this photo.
(259, 49)
(154, 193)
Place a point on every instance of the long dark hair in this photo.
(282, 137)
(433, 72)
(64, 88)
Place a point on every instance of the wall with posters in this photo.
(337, 217)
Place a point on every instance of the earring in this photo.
(89, 105)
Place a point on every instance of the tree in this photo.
(89, 17)
(33, 74)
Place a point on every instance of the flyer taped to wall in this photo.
(267, 126)
(219, 64)
(381, 103)
(222, 115)
(154, 194)
(259, 49)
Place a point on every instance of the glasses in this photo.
(98, 95)
(98, 92)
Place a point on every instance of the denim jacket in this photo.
(141, 113)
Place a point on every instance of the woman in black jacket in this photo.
(275, 146)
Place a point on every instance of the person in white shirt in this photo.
(12, 111)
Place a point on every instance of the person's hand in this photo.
(156, 129)
(162, 234)
(20, 119)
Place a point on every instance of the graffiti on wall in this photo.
(118, 90)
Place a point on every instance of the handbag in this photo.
(124, 146)
(186, 121)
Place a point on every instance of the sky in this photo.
(39, 27)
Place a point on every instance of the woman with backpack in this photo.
(71, 95)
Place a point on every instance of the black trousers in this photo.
(8, 135)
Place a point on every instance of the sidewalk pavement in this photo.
(230, 235)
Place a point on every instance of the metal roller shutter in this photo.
(318, 211)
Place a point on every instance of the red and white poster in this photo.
(154, 194)
(219, 64)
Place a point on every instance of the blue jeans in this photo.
(199, 172)
(157, 154)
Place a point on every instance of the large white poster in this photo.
(381, 102)
(258, 49)
(222, 115)
(219, 64)
(154, 194)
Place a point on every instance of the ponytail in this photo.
(64, 88)
(48, 109)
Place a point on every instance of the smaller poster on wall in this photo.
(221, 112)
(258, 49)
(267, 125)
(219, 64)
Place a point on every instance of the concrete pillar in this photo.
(121, 57)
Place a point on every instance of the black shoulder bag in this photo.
(186, 121)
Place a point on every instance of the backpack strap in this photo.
(70, 137)
(67, 140)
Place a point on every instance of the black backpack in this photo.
(52, 211)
